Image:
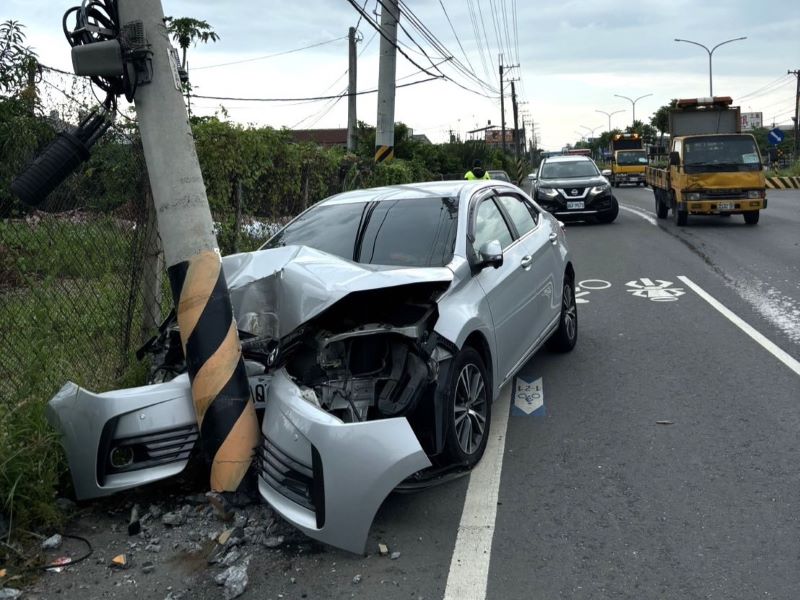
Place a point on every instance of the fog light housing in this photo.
(121, 457)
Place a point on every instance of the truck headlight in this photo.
(692, 196)
(548, 192)
(755, 194)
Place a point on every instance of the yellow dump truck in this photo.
(628, 159)
(712, 168)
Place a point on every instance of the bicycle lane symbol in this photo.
(528, 397)
(585, 287)
(659, 290)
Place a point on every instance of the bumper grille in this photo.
(299, 482)
(146, 451)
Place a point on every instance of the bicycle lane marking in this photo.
(469, 566)
(762, 340)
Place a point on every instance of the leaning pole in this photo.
(225, 414)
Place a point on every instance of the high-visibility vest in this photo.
(470, 175)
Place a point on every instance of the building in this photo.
(327, 138)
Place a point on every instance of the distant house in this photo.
(421, 138)
(327, 138)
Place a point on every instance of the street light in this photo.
(710, 52)
(633, 102)
(591, 129)
(608, 114)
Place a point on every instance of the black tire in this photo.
(566, 336)
(662, 210)
(468, 409)
(680, 216)
(610, 215)
(751, 218)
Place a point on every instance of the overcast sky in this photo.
(573, 56)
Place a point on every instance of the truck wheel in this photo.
(662, 210)
(751, 218)
(680, 216)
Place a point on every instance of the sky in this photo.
(573, 56)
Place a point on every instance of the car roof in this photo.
(427, 189)
(568, 158)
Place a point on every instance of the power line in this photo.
(266, 56)
(458, 41)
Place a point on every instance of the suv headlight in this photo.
(692, 196)
(755, 194)
(599, 189)
(546, 192)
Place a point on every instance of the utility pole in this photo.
(351, 90)
(225, 415)
(796, 152)
(384, 134)
(502, 107)
(516, 126)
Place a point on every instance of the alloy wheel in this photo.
(470, 408)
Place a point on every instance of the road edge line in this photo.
(765, 343)
(640, 213)
(469, 566)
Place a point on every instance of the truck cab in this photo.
(628, 160)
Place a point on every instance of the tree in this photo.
(185, 31)
(17, 61)
(660, 120)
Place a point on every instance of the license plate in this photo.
(725, 206)
(575, 205)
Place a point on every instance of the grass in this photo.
(64, 297)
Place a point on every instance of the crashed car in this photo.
(377, 328)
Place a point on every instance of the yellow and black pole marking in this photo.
(226, 416)
(384, 154)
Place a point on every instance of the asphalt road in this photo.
(663, 464)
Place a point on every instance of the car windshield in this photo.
(415, 232)
(631, 157)
(721, 153)
(568, 169)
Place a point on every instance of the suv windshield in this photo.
(417, 232)
(569, 169)
(628, 158)
(721, 153)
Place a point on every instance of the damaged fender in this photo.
(327, 477)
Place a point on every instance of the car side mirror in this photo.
(606, 172)
(674, 159)
(491, 254)
(533, 177)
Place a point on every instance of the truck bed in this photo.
(657, 177)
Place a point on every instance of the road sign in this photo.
(775, 136)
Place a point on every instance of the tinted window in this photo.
(520, 214)
(489, 225)
(631, 157)
(417, 232)
(568, 169)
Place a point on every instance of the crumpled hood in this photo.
(282, 288)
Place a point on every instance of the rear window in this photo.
(415, 232)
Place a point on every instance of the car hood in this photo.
(573, 182)
(274, 291)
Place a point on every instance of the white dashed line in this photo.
(647, 216)
(469, 566)
(769, 346)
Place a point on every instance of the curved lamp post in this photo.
(608, 114)
(633, 102)
(710, 52)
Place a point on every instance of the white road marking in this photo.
(657, 291)
(528, 395)
(469, 566)
(765, 343)
(594, 284)
(647, 216)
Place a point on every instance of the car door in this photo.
(540, 240)
(509, 288)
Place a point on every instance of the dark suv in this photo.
(573, 187)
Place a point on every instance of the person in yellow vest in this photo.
(477, 171)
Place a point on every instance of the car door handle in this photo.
(526, 261)
(554, 238)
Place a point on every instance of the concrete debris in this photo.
(273, 541)
(231, 558)
(65, 505)
(53, 542)
(120, 561)
(240, 520)
(225, 536)
(196, 499)
(394, 555)
(383, 549)
(153, 546)
(9, 594)
(155, 511)
(234, 579)
(357, 579)
(134, 525)
(176, 518)
(222, 507)
(148, 567)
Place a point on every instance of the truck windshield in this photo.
(412, 232)
(631, 157)
(721, 153)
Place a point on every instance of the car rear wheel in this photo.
(468, 409)
(566, 336)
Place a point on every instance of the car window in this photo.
(523, 216)
(490, 225)
(568, 169)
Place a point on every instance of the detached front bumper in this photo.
(125, 438)
(327, 477)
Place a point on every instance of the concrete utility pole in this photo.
(387, 67)
(796, 148)
(225, 415)
(516, 127)
(351, 90)
(502, 107)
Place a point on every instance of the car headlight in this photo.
(599, 189)
(755, 194)
(692, 196)
(548, 192)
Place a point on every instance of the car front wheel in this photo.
(468, 408)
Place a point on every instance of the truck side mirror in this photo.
(674, 159)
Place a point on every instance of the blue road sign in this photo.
(775, 136)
